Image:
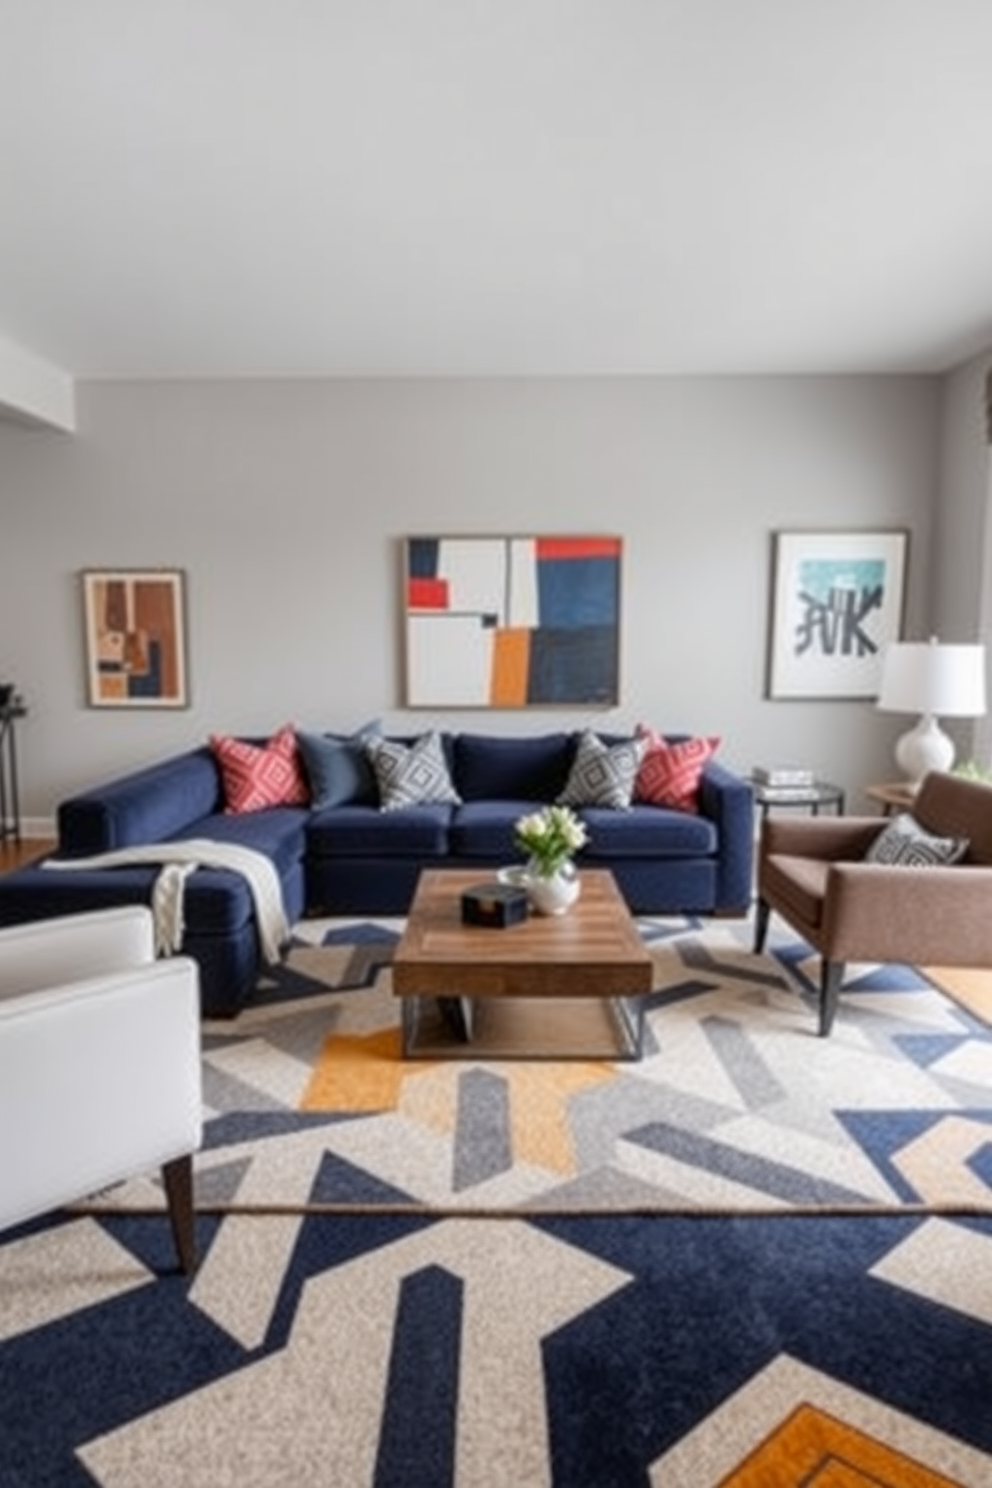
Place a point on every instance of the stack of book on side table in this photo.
(784, 782)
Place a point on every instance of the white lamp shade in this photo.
(928, 677)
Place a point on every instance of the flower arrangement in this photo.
(550, 837)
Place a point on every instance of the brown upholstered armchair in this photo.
(812, 872)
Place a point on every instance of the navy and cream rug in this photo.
(736, 1106)
(408, 1351)
(757, 1259)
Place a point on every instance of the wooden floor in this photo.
(14, 854)
(970, 986)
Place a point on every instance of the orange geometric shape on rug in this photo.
(538, 1096)
(813, 1447)
(542, 1132)
(358, 1073)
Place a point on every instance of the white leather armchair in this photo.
(99, 1065)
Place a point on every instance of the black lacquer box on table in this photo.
(495, 905)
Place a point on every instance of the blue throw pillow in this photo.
(338, 768)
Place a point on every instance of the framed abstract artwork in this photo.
(512, 622)
(837, 602)
(135, 631)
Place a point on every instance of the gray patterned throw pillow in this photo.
(603, 774)
(411, 775)
(906, 843)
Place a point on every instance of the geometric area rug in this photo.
(757, 1259)
(736, 1106)
(411, 1351)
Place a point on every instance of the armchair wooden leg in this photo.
(831, 976)
(761, 918)
(178, 1179)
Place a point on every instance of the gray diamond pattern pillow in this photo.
(603, 774)
(906, 843)
(411, 775)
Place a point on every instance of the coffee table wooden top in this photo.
(592, 951)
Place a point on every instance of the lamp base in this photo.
(924, 748)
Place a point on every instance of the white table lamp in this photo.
(929, 678)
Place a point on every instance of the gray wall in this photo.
(962, 560)
(285, 501)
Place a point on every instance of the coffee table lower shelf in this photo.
(520, 1028)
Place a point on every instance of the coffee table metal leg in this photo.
(445, 1027)
(409, 1007)
(629, 1016)
(457, 1015)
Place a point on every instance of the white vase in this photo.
(555, 893)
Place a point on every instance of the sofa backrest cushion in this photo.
(488, 767)
(146, 806)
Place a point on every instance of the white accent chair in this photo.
(99, 1065)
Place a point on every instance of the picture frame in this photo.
(514, 621)
(837, 602)
(134, 624)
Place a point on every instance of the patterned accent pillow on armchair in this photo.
(903, 841)
(671, 772)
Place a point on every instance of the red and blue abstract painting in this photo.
(512, 622)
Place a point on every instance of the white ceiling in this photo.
(340, 187)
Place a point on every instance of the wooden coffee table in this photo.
(552, 987)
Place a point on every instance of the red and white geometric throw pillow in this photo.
(670, 773)
(257, 776)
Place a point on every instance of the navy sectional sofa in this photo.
(355, 859)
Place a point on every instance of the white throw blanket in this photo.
(179, 859)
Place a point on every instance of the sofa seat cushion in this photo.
(491, 768)
(647, 832)
(485, 829)
(367, 832)
(799, 885)
(279, 833)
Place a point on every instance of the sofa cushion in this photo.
(647, 832)
(411, 775)
(670, 771)
(485, 829)
(490, 768)
(905, 843)
(367, 832)
(603, 774)
(257, 776)
(337, 768)
(279, 833)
